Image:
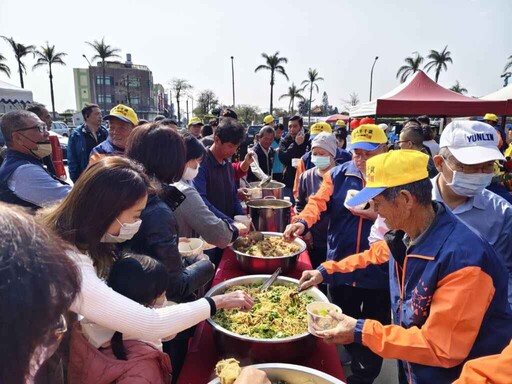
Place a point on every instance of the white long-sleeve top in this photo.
(100, 304)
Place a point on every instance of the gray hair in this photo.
(421, 190)
(266, 130)
(12, 121)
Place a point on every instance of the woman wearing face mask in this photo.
(38, 283)
(323, 150)
(103, 208)
(194, 217)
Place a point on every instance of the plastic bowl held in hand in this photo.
(319, 318)
(190, 247)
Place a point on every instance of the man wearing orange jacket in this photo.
(448, 287)
(365, 295)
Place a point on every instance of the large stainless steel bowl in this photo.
(284, 350)
(260, 264)
(293, 374)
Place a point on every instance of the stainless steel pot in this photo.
(288, 349)
(293, 374)
(274, 188)
(269, 214)
(260, 264)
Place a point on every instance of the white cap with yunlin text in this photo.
(471, 142)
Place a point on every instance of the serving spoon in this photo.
(270, 280)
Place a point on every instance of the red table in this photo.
(202, 355)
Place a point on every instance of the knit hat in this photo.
(325, 141)
(195, 149)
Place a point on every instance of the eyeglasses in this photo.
(41, 127)
(477, 168)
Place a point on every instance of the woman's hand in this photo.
(343, 333)
(251, 375)
(310, 278)
(236, 299)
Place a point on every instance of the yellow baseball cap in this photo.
(268, 119)
(318, 128)
(391, 169)
(124, 113)
(490, 117)
(195, 121)
(367, 137)
(341, 123)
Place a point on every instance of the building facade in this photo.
(123, 83)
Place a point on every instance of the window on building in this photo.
(109, 80)
(108, 99)
(135, 100)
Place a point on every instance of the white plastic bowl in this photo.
(319, 318)
(191, 247)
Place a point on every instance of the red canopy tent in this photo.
(336, 117)
(420, 95)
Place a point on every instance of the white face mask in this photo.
(468, 184)
(126, 232)
(190, 173)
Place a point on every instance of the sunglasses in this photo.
(41, 127)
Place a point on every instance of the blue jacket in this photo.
(78, 157)
(448, 297)
(347, 233)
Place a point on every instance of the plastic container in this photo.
(319, 318)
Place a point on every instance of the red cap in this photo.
(367, 120)
(354, 124)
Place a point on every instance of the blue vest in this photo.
(13, 160)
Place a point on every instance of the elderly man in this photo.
(366, 295)
(23, 179)
(83, 139)
(466, 166)
(261, 168)
(122, 120)
(448, 286)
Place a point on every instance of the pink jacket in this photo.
(88, 365)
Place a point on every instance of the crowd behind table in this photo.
(412, 240)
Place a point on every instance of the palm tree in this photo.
(458, 88)
(48, 56)
(293, 93)
(20, 51)
(4, 67)
(311, 81)
(508, 65)
(273, 65)
(438, 61)
(103, 52)
(412, 66)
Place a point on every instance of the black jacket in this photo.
(288, 150)
(158, 238)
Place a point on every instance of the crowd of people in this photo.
(411, 238)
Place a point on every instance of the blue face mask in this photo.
(321, 162)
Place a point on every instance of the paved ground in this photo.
(388, 373)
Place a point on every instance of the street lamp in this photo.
(371, 76)
(85, 57)
(233, 79)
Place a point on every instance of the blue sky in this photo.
(194, 40)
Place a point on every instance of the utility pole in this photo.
(233, 79)
(371, 76)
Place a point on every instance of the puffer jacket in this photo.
(158, 238)
(89, 365)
